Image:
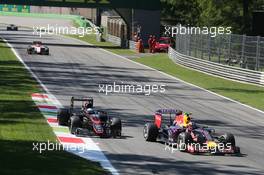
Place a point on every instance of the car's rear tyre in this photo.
(116, 127)
(29, 50)
(178, 113)
(75, 123)
(63, 116)
(43, 52)
(150, 132)
(184, 139)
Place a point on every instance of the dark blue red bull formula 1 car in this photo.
(180, 131)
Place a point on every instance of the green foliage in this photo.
(184, 12)
(227, 13)
(221, 13)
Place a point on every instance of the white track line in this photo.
(96, 153)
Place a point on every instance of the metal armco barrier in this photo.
(117, 41)
(230, 72)
(114, 39)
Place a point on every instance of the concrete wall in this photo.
(104, 20)
(116, 26)
(114, 39)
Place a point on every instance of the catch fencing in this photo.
(242, 51)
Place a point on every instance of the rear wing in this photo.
(88, 100)
(37, 42)
(169, 111)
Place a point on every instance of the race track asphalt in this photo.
(77, 69)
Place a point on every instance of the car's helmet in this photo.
(186, 118)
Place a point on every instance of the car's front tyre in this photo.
(116, 127)
(184, 139)
(228, 138)
(150, 132)
(75, 123)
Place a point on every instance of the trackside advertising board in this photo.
(15, 8)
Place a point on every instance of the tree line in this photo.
(227, 13)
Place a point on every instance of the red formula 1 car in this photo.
(38, 48)
(89, 121)
(182, 133)
(163, 44)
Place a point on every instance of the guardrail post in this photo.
(189, 45)
(195, 45)
(209, 47)
(181, 43)
(219, 46)
(202, 46)
(185, 47)
(185, 44)
(257, 53)
(229, 49)
(243, 52)
(176, 43)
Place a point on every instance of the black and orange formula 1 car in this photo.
(87, 121)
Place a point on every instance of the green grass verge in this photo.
(245, 93)
(105, 45)
(21, 124)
